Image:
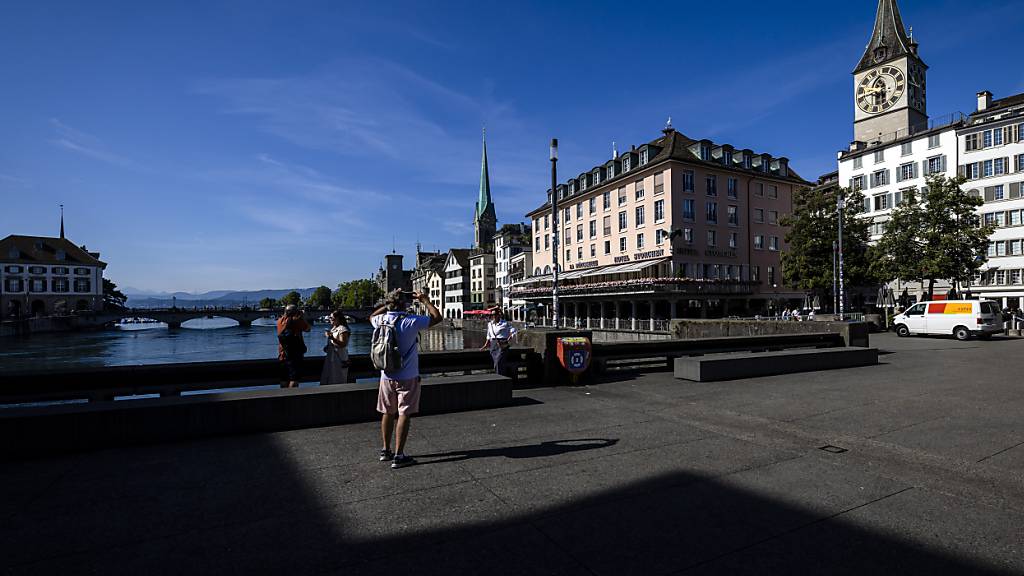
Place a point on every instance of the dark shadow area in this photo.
(544, 449)
(302, 504)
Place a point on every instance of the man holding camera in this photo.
(290, 346)
(399, 395)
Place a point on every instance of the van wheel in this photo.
(902, 331)
(961, 333)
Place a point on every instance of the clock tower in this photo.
(889, 81)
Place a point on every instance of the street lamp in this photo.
(840, 204)
(554, 229)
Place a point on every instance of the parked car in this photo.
(961, 318)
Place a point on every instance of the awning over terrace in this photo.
(624, 268)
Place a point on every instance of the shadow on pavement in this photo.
(544, 449)
(280, 505)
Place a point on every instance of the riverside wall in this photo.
(854, 333)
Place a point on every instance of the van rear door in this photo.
(991, 316)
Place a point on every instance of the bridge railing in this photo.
(113, 382)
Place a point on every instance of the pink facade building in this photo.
(674, 228)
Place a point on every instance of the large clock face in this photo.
(880, 89)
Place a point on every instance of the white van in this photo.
(961, 318)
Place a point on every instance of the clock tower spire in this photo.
(889, 80)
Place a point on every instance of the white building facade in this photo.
(991, 147)
(510, 240)
(456, 283)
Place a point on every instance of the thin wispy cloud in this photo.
(13, 180)
(85, 144)
(731, 104)
(377, 109)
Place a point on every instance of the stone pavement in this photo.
(641, 474)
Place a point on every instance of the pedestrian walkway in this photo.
(914, 466)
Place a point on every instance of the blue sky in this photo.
(242, 145)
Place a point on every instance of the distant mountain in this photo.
(222, 298)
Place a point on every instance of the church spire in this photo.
(484, 203)
(61, 221)
(484, 219)
(888, 37)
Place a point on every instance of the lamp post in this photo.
(554, 230)
(840, 204)
(835, 280)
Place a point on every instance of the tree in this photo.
(807, 264)
(268, 303)
(292, 297)
(934, 234)
(320, 298)
(357, 294)
(113, 299)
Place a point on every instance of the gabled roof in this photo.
(889, 36)
(43, 250)
(461, 256)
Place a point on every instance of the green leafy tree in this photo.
(113, 299)
(807, 264)
(356, 294)
(320, 298)
(934, 234)
(292, 297)
(268, 303)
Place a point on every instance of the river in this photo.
(199, 340)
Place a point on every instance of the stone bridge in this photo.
(174, 317)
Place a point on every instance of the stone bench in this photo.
(713, 367)
(76, 427)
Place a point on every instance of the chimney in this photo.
(984, 100)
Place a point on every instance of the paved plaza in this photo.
(641, 474)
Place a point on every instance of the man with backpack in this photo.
(290, 345)
(393, 350)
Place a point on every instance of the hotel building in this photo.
(675, 228)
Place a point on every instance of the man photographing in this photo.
(394, 349)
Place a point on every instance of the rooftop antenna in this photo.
(393, 250)
(615, 151)
(668, 125)
(61, 221)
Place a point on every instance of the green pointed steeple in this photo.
(485, 220)
(483, 203)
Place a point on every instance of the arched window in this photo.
(547, 269)
(536, 271)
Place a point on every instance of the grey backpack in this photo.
(384, 352)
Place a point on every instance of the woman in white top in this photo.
(336, 363)
(499, 333)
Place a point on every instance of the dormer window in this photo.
(61, 255)
(597, 177)
(583, 182)
(611, 170)
(746, 161)
(572, 186)
(643, 156)
(727, 158)
(705, 152)
(625, 163)
(39, 244)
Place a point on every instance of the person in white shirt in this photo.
(499, 333)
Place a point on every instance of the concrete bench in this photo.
(713, 367)
(77, 427)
